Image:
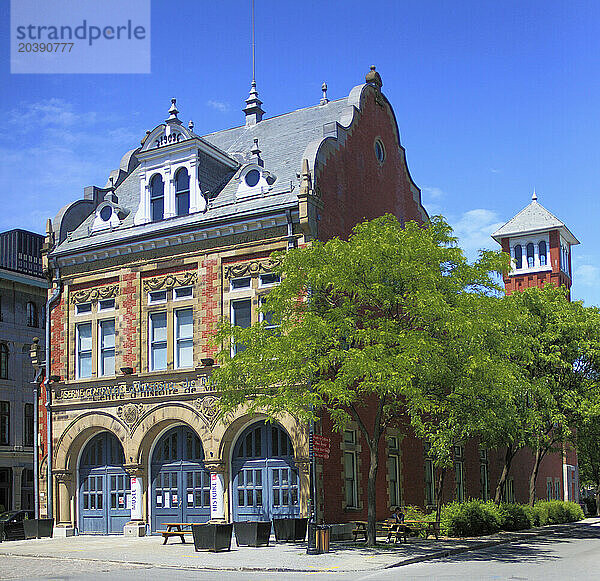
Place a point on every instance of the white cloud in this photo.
(587, 275)
(433, 193)
(474, 229)
(60, 150)
(219, 105)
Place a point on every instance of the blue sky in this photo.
(492, 100)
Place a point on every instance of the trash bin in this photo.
(323, 534)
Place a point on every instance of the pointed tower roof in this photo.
(532, 219)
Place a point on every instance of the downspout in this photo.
(49, 304)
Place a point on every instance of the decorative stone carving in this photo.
(303, 466)
(91, 295)
(250, 268)
(170, 281)
(207, 409)
(135, 470)
(62, 476)
(130, 413)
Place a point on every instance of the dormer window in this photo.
(518, 257)
(252, 178)
(106, 213)
(182, 192)
(543, 253)
(157, 198)
(530, 255)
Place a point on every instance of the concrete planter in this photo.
(290, 529)
(212, 536)
(252, 533)
(36, 528)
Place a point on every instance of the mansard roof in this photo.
(284, 141)
(532, 219)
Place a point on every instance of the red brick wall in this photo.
(354, 185)
(130, 332)
(211, 304)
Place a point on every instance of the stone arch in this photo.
(155, 421)
(297, 431)
(79, 431)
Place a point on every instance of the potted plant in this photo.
(253, 533)
(290, 529)
(212, 536)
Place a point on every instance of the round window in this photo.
(379, 150)
(106, 213)
(252, 178)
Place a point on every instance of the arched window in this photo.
(157, 198)
(3, 361)
(182, 192)
(530, 255)
(518, 256)
(31, 315)
(543, 253)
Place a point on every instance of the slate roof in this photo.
(282, 139)
(533, 218)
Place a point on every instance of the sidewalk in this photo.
(344, 556)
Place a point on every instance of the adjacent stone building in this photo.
(22, 303)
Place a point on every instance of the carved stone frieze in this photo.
(130, 413)
(91, 295)
(170, 281)
(63, 476)
(207, 409)
(250, 268)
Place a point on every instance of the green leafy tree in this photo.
(558, 348)
(371, 328)
(588, 455)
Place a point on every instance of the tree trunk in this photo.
(371, 496)
(598, 500)
(438, 493)
(539, 456)
(508, 458)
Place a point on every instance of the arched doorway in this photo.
(104, 490)
(265, 481)
(180, 483)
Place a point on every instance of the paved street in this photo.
(563, 552)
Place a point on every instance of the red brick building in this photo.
(145, 266)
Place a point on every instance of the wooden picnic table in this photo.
(176, 529)
(431, 527)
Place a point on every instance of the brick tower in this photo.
(539, 245)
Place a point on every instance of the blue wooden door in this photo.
(180, 483)
(265, 481)
(104, 489)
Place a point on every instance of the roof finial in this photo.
(324, 99)
(253, 108)
(534, 197)
(173, 113)
(191, 125)
(374, 78)
(255, 151)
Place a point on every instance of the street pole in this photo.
(311, 545)
(34, 354)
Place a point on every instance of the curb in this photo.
(510, 538)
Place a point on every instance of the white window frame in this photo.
(262, 284)
(179, 340)
(459, 473)
(106, 305)
(484, 474)
(232, 317)
(151, 343)
(103, 350)
(233, 281)
(78, 350)
(83, 309)
(182, 288)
